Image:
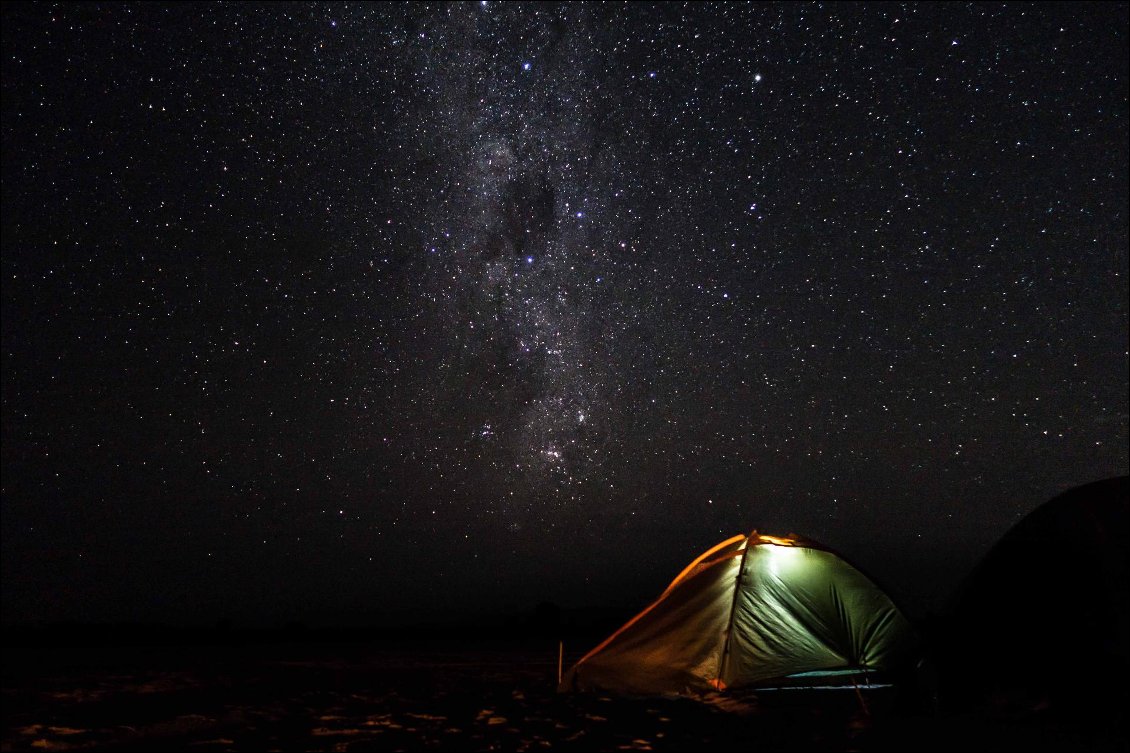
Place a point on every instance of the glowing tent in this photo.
(751, 609)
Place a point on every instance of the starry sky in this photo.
(374, 312)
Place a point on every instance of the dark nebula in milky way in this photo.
(314, 311)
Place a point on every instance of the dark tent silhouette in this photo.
(1042, 621)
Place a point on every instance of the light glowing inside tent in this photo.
(778, 540)
(779, 558)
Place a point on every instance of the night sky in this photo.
(352, 313)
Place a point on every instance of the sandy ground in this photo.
(433, 695)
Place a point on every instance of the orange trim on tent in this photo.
(657, 602)
(700, 558)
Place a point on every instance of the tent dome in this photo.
(1047, 608)
(751, 609)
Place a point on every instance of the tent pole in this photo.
(733, 606)
(560, 656)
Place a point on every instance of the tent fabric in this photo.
(751, 609)
(1047, 607)
(1072, 551)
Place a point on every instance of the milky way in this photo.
(521, 251)
(316, 309)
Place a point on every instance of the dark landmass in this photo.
(1031, 657)
(490, 686)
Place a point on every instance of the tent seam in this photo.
(733, 608)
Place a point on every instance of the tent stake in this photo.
(560, 656)
(859, 695)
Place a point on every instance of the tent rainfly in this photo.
(752, 609)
